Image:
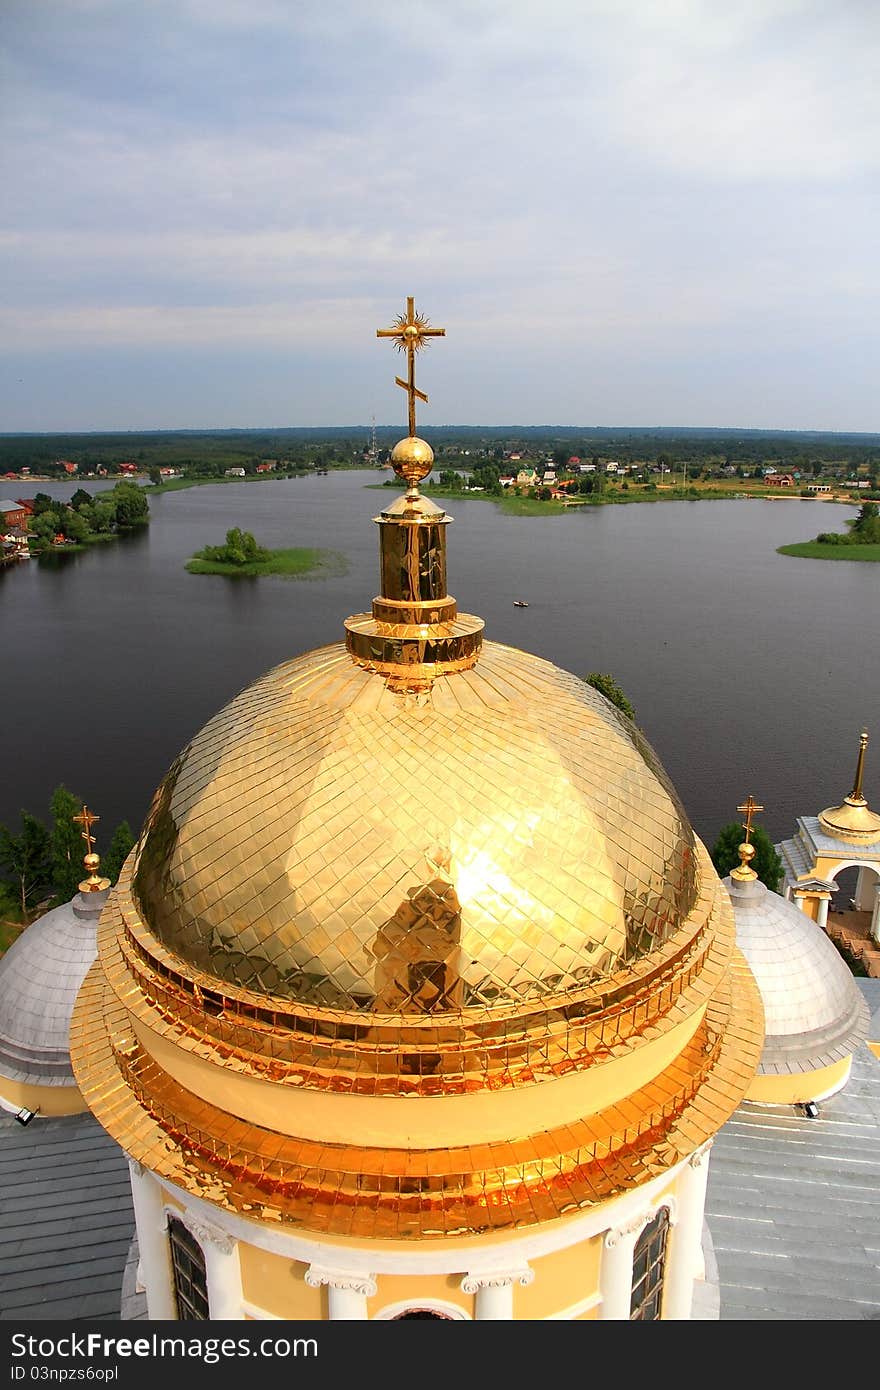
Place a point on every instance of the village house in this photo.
(14, 515)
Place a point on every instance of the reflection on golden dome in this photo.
(523, 832)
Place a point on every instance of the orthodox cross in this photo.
(87, 819)
(748, 809)
(409, 334)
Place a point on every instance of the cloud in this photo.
(613, 175)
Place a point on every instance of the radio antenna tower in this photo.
(374, 452)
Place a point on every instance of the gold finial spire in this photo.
(745, 873)
(409, 333)
(856, 793)
(93, 883)
(853, 821)
(415, 631)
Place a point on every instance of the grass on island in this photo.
(296, 563)
(179, 484)
(816, 550)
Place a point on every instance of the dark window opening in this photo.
(190, 1278)
(649, 1260)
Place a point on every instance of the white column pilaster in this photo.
(494, 1291)
(347, 1292)
(684, 1257)
(615, 1275)
(222, 1268)
(864, 894)
(154, 1266)
(822, 919)
(875, 916)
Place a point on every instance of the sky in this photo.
(624, 212)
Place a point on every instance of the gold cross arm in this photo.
(87, 819)
(748, 809)
(409, 333)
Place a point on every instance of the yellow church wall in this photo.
(792, 1090)
(416, 1289)
(47, 1100)
(278, 1285)
(422, 1123)
(561, 1280)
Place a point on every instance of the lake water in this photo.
(750, 671)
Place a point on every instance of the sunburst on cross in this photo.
(409, 333)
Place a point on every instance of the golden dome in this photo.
(504, 836)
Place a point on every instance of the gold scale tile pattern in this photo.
(501, 837)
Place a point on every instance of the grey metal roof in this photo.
(793, 1204)
(66, 1219)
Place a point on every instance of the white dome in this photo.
(40, 976)
(814, 1013)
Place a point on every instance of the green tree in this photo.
(607, 686)
(155, 476)
(27, 858)
(766, 863)
(68, 846)
(74, 526)
(120, 847)
(80, 498)
(866, 526)
(132, 507)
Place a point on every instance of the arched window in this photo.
(190, 1278)
(649, 1261)
(422, 1313)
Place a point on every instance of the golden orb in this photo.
(747, 853)
(412, 459)
(91, 862)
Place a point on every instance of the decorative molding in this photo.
(497, 1279)
(635, 1227)
(205, 1232)
(136, 1168)
(699, 1157)
(317, 1276)
(632, 1228)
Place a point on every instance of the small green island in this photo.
(242, 556)
(860, 542)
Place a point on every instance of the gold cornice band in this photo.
(480, 1117)
(410, 1194)
(414, 653)
(449, 1053)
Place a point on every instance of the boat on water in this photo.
(520, 603)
